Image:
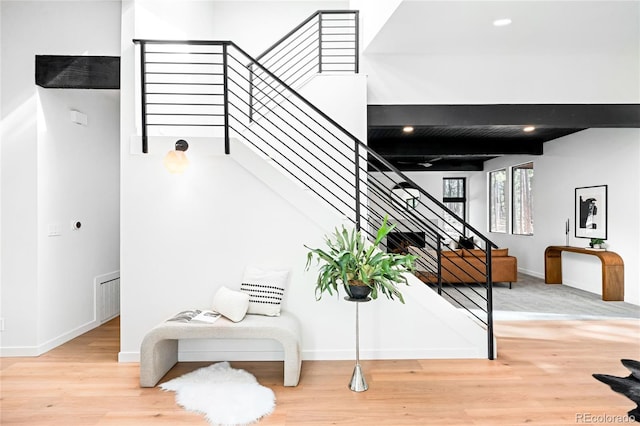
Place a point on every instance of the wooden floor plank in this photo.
(542, 375)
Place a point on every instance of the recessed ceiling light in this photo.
(502, 22)
(528, 129)
(407, 129)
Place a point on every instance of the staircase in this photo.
(214, 88)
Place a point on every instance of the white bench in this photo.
(159, 348)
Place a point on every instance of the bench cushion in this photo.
(159, 348)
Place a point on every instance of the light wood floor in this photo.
(542, 376)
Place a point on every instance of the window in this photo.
(522, 192)
(498, 201)
(454, 196)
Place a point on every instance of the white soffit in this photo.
(538, 27)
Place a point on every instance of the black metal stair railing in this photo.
(209, 88)
(325, 42)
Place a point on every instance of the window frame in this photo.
(490, 200)
(460, 200)
(514, 169)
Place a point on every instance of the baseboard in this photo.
(64, 338)
(18, 351)
(335, 355)
(30, 351)
(439, 353)
(532, 273)
(349, 354)
(128, 356)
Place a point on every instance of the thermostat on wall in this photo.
(78, 117)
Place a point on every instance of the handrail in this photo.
(380, 158)
(450, 212)
(299, 26)
(287, 35)
(299, 96)
(300, 139)
(316, 47)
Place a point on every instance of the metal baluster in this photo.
(226, 98)
(320, 42)
(143, 89)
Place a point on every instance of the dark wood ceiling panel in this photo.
(462, 137)
(540, 115)
(457, 133)
(77, 72)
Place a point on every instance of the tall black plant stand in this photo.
(358, 383)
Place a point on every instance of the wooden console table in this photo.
(612, 269)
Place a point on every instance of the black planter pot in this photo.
(359, 291)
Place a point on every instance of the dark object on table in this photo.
(466, 243)
(628, 386)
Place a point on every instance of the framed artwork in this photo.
(591, 212)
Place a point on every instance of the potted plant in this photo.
(596, 242)
(352, 261)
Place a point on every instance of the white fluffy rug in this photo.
(225, 395)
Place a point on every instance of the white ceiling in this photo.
(538, 27)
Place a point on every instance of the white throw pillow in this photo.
(265, 289)
(231, 303)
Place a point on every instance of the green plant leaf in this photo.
(348, 255)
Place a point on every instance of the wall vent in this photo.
(107, 297)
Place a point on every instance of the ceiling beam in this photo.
(78, 72)
(545, 115)
(403, 147)
(438, 166)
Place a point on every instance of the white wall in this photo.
(182, 237)
(567, 163)
(373, 15)
(30, 28)
(172, 225)
(19, 261)
(252, 25)
(568, 77)
(78, 180)
(588, 158)
(495, 79)
(432, 52)
(153, 202)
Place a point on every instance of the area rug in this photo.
(226, 396)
